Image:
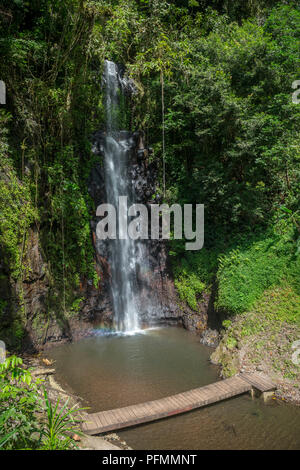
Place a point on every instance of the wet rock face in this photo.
(45, 327)
(210, 338)
(35, 284)
(126, 84)
(158, 302)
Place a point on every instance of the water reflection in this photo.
(113, 370)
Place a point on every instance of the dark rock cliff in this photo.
(159, 303)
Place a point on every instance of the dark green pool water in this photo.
(113, 371)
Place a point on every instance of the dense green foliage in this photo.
(53, 96)
(19, 404)
(241, 269)
(23, 424)
(245, 273)
(17, 212)
(214, 100)
(264, 336)
(60, 424)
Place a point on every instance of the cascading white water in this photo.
(123, 254)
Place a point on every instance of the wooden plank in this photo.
(261, 382)
(149, 409)
(156, 407)
(131, 412)
(111, 416)
(92, 425)
(173, 404)
(104, 421)
(219, 389)
(181, 402)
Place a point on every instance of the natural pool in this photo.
(110, 371)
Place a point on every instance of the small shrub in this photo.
(19, 405)
(59, 426)
(226, 324)
(231, 342)
(246, 272)
(189, 289)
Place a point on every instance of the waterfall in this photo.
(124, 254)
(136, 288)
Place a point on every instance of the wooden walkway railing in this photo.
(105, 421)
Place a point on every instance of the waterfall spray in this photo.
(124, 258)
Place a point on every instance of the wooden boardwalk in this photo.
(105, 421)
